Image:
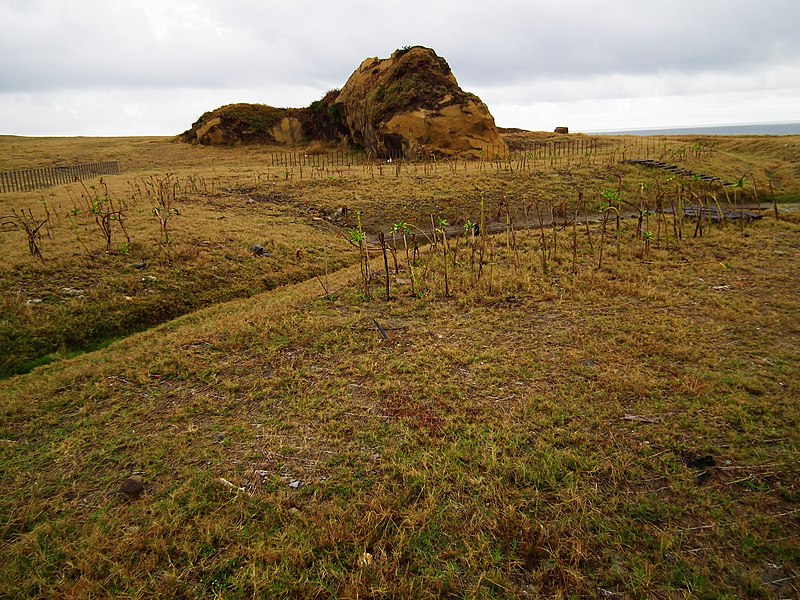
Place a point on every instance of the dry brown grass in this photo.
(625, 431)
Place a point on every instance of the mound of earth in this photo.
(407, 104)
(237, 124)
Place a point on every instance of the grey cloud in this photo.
(54, 45)
(526, 51)
(639, 38)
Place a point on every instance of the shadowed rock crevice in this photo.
(407, 104)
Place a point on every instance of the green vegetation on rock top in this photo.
(417, 79)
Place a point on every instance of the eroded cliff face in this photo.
(412, 103)
(407, 104)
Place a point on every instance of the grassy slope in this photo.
(481, 451)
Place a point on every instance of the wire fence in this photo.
(25, 180)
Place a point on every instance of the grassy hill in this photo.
(546, 412)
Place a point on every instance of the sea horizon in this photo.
(770, 128)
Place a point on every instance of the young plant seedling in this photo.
(612, 202)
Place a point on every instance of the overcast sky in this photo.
(151, 67)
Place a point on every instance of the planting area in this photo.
(491, 379)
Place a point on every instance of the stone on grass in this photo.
(132, 486)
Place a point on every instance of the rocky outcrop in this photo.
(237, 124)
(408, 104)
(412, 103)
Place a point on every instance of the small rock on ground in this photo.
(132, 486)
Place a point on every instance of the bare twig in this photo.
(236, 488)
(384, 335)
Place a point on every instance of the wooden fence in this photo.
(35, 179)
(348, 158)
(545, 149)
(338, 158)
(530, 154)
(629, 147)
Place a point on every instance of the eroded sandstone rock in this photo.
(407, 104)
(411, 103)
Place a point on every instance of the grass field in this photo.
(568, 411)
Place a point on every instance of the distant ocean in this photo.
(792, 128)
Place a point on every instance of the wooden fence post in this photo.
(22, 180)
